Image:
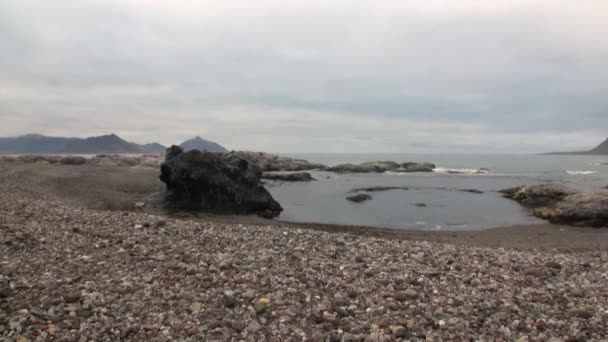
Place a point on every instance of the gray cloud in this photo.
(340, 76)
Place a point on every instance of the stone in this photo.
(288, 177)
(359, 198)
(214, 182)
(5, 292)
(262, 304)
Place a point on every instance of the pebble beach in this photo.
(71, 273)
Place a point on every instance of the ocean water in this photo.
(447, 207)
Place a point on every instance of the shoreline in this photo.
(118, 188)
(73, 269)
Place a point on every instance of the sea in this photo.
(433, 201)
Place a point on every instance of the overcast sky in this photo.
(310, 75)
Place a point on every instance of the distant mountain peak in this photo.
(198, 143)
(600, 149)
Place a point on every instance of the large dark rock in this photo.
(222, 183)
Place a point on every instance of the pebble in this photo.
(198, 280)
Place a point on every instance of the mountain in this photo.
(40, 144)
(198, 143)
(599, 150)
(153, 148)
(110, 144)
(34, 143)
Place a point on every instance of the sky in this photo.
(420, 76)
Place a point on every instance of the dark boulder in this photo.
(222, 183)
(359, 198)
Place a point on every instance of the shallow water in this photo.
(447, 208)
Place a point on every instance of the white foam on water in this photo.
(460, 171)
(581, 173)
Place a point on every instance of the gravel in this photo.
(75, 274)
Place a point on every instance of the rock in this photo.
(214, 182)
(72, 296)
(272, 162)
(73, 160)
(553, 265)
(351, 168)
(5, 292)
(398, 331)
(378, 189)
(288, 177)
(140, 204)
(534, 196)
(261, 305)
(195, 308)
(405, 295)
(582, 209)
(417, 167)
(422, 205)
(473, 191)
(254, 327)
(561, 205)
(381, 166)
(237, 325)
(359, 198)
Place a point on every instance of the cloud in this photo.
(300, 76)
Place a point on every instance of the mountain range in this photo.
(108, 144)
(598, 150)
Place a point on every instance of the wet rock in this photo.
(359, 198)
(417, 167)
(378, 189)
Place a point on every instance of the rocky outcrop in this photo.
(272, 162)
(288, 177)
(359, 198)
(418, 167)
(535, 196)
(588, 209)
(351, 168)
(382, 166)
(561, 205)
(222, 183)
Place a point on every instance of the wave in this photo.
(581, 173)
(461, 171)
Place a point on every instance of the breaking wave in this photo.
(581, 173)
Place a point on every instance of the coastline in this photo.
(73, 269)
(118, 188)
